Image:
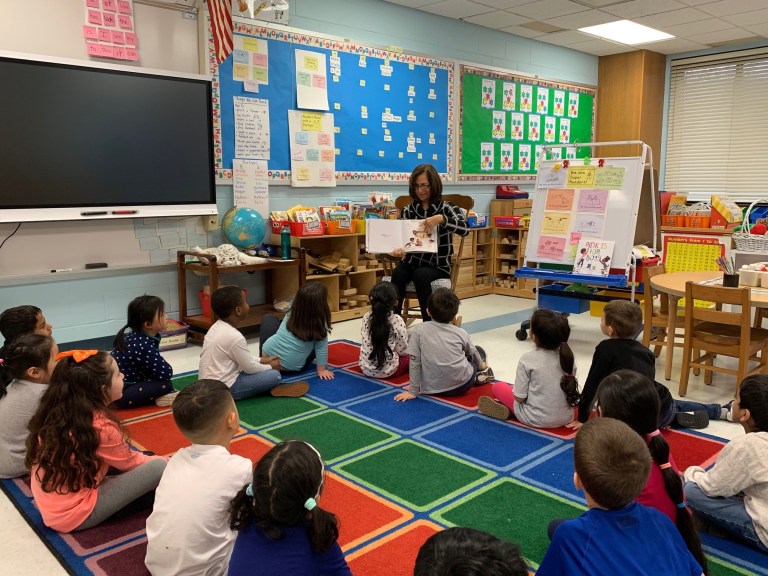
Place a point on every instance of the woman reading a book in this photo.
(426, 191)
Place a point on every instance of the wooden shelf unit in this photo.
(476, 270)
(282, 282)
(508, 256)
(363, 279)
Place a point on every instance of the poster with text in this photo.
(109, 30)
(311, 80)
(250, 185)
(251, 128)
(313, 153)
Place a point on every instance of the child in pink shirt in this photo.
(74, 439)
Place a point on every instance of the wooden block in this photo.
(352, 304)
(358, 298)
(348, 292)
(373, 263)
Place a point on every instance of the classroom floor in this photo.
(491, 321)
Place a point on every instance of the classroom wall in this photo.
(92, 305)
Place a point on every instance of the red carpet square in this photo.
(342, 353)
(159, 434)
(107, 534)
(394, 555)
(396, 381)
(127, 560)
(363, 515)
(134, 413)
(691, 450)
(468, 400)
(251, 447)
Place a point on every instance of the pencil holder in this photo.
(731, 280)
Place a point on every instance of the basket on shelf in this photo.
(747, 242)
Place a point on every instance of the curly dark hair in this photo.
(62, 441)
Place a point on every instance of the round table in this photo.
(673, 285)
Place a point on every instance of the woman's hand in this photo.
(324, 374)
(404, 397)
(432, 222)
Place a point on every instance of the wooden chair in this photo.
(412, 311)
(656, 317)
(714, 331)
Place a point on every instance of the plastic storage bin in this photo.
(572, 303)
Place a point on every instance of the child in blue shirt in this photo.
(147, 374)
(616, 535)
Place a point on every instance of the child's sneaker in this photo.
(726, 413)
(166, 399)
(493, 408)
(485, 376)
(292, 390)
(697, 420)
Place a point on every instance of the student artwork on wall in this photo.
(391, 110)
(109, 30)
(503, 114)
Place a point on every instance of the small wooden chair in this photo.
(714, 332)
(412, 311)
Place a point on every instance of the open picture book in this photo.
(385, 236)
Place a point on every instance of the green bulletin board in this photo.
(506, 117)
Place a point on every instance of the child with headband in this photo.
(281, 527)
(188, 531)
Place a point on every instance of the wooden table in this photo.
(673, 285)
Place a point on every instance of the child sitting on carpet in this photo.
(188, 531)
(443, 359)
(616, 535)
(383, 352)
(30, 360)
(147, 374)
(621, 321)
(468, 552)
(74, 439)
(282, 530)
(632, 398)
(733, 494)
(15, 322)
(545, 389)
(302, 336)
(226, 357)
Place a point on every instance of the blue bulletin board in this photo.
(391, 110)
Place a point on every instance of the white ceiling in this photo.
(696, 24)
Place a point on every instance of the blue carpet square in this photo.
(403, 417)
(345, 386)
(548, 474)
(490, 442)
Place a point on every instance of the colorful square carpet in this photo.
(397, 473)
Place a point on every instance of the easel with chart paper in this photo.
(598, 199)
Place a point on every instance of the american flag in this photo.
(221, 26)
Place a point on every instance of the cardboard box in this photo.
(174, 336)
(726, 214)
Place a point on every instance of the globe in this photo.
(244, 228)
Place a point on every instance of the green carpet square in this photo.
(263, 410)
(332, 433)
(181, 382)
(718, 567)
(415, 475)
(512, 511)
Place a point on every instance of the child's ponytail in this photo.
(323, 529)
(141, 310)
(241, 510)
(551, 331)
(673, 485)
(383, 297)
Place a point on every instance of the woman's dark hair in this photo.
(383, 298)
(283, 480)
(310, 316)
(631, 397)
(62, 441)
(753, 395)
(141, 310)
(435, 184)
(552, 332)
(13, 323)
(25, 352)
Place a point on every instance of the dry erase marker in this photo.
(61, 270)
(125, 211)
(93, 213)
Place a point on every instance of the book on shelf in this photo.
(385, 236)
(593, 256)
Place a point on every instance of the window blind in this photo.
(717, 127)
